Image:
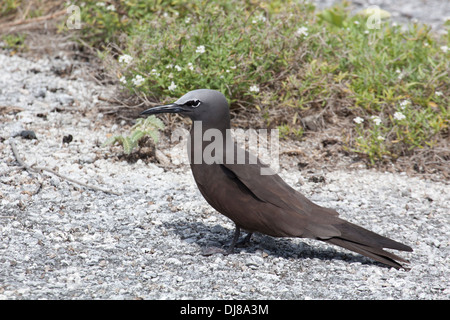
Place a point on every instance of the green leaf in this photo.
(332, 16)
(383, 14)
(128, 145)
(136, 136)
(113, 140)
(153, 135)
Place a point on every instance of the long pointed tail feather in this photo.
(368, 243)
(376, 254)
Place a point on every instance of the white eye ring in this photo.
(193, 103)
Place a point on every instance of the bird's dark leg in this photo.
(237, 232)
(234, 242)
(246, 240)
(211, 251)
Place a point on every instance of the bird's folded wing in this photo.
(296, 215)
(271, 188)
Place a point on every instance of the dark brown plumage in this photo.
(264, 203)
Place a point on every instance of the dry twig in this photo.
(33, 20)
(40, 169)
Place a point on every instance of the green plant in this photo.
(285, 130)
(371, 141)
(9, 6)
(15, 42)
(280, 58)
(143, 127)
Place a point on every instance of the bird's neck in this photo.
(208, 144)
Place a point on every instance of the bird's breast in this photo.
(235, 202)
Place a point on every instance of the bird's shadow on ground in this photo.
(207, 237)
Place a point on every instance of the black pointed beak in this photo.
(168, 108)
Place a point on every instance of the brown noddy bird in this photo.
(261, 202)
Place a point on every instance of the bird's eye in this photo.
(193, 103)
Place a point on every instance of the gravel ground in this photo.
(62, 241)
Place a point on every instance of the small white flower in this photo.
(227, 71)
(404, 104)
(123, 80)
(170, 76)
(259, 18)
(302, 31)
(190, 66)
(111, 7)
(178, 68)
(438, 93)
(376, 119)
(254, 89)
(399, 116)
(187, 20)
(367, 32)
(138, 80)
(358, 120)
(154, 72)
(356, 22)
(172, 86)
(381, 138)
(444, 48)
(100, 4)
(169, 66)
(233, 67)
(394, 24)
(200, 49)
(126, 58)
